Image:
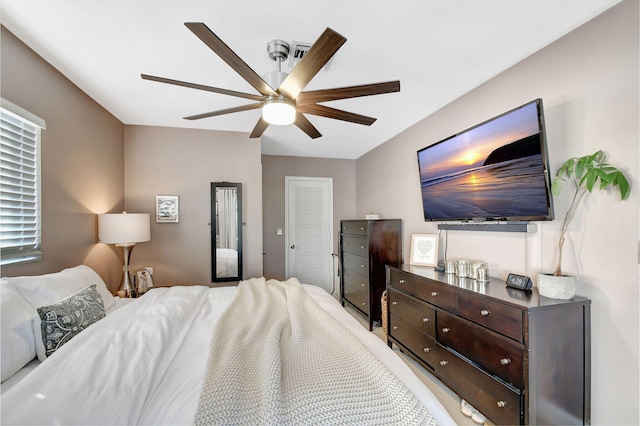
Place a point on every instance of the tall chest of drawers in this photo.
(366, 246)
(517, 357)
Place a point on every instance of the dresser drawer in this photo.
(402, 281)
(439, 294)
(499, 317)
(495, 353)
(417, 342)
(418, 314)
(355, 245)
(355, 280)
(357, 297)
(359, 264)
(491, 397)
(355, 227)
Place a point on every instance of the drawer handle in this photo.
(484, 312)
(395, 327)
(426, 349)
(363, 285)
(505, 361)
(434, 293)
(402, 281)
(446, 330)
(362, 228)
(362, 247)
(443, 363)
(425, 319)
(363, 303)
(362, 266)
(501, 404)
(394, 303)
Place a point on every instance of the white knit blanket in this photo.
(277, 358)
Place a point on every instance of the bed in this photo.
(193, 355)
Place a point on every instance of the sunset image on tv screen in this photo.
(494, 170)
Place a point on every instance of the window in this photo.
(20, 216)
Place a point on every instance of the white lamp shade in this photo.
(124, 228)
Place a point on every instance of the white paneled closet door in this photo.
(309, 226)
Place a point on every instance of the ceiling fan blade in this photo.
(338, 114)
(202, 87)
(316, 96)
(226, 54)
(306, 126)
(259, 129)
(225, 111)
(312, 61)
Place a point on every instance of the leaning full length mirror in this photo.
(226, 231)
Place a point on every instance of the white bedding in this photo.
(22, 373)
(145, 363)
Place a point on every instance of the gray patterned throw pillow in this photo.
(63, 320)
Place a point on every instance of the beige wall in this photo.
(274, 170)
(82, 163)
(184, 162)
(589, 83)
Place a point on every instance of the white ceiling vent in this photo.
(298, 49)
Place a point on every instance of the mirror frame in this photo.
(214, 187)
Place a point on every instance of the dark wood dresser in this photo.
(366, 246)
(515, 356)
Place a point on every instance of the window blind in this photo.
(20, 219)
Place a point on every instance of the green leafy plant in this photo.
(585, 173)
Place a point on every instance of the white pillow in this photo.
(18, 341)
(41, 290)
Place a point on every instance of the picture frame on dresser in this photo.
(424, 250)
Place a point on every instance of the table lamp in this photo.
(124, 230)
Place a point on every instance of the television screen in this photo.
(495, 171)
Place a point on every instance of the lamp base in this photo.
(125, 285)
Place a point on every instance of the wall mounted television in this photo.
(495, 171)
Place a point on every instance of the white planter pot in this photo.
(557, 287)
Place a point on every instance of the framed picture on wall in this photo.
(424, 249)
(167, 209)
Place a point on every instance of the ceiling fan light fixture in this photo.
(279, 111)
(280, 92)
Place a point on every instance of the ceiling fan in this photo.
(281, 97)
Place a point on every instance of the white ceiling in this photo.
(438, 49)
